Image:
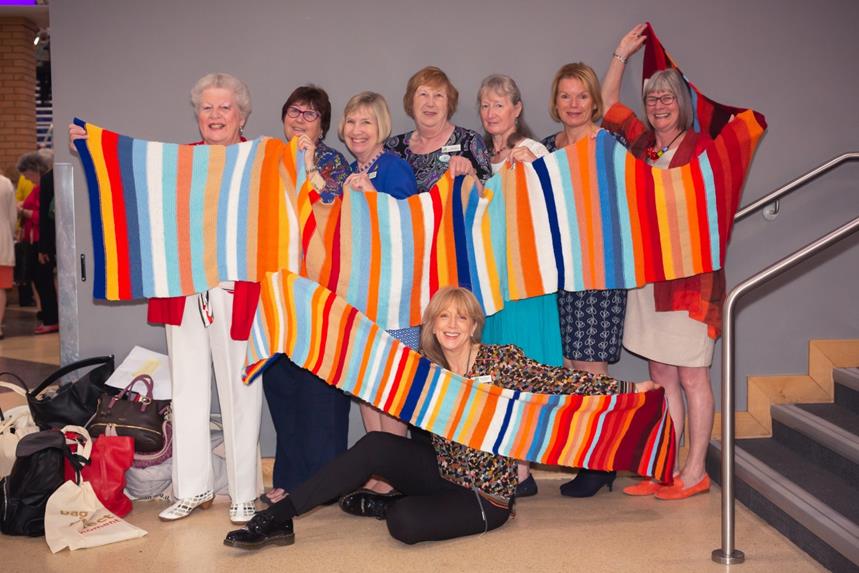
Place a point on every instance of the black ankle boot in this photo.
(587, 483)
(527, 488)
(260, 531)
(367, 503)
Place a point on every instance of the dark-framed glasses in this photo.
(307, 114)
(664, 99)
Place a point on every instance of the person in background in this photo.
(33, 166)
(659, 322)
(530, 324)
(591, 321)
(311, 418)
(23, 274)
(47, 252)
(8, 220)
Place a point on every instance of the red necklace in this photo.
(653, 154)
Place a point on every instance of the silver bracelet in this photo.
(619, 58)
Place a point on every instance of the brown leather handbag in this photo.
(131, 414)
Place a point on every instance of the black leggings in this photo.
(432, 509)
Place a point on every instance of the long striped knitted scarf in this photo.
(324, 334)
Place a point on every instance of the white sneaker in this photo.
(242, 512)
(183, 507)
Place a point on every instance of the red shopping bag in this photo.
(110, 458)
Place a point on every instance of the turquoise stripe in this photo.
(138, 152)
(360, 342)
(712, 208)
(223, 207)
(197, 206)
(168, 196)
(469, 402)
(651, 463)
(626, 245)
(303, 292)
(498, 235)
(371, 385)
(446, 406)
(548, 433)
(385, 266)
(360, 276)
(470, 216)
(242, 223)
(560, 158)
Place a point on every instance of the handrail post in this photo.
(728, 554)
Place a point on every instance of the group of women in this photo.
(429, 488)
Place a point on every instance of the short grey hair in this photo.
(33, 161)
(672, 81)
(225, 81)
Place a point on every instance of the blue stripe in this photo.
(139, 152)
(196, 209)
(552, 212)
(223, 208)
(98, 282)
(421, 419)
(498, 233)
(126, 171)
(360, 342)
(542, 423)
(416, 387)
(303, 294)
(371, 385)
(408, 269)
(608, 210)
(360, 276)
(600, 423)
(168, 202)
(385, 259)
(459, 235)
(508, 413)
(470, 216)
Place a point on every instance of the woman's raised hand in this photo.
(631, 42)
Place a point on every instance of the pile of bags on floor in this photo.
(73, 458)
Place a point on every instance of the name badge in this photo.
(444, 157)
(485, 379)
(372, 175)
(451, 148)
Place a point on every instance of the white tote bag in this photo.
(75, 518)
(15, 423)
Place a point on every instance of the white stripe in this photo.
(294, 253)
(427, 212)
(480, 257)
(563, 209)
(497, 420)
(543, 236)
(372, 381)
(388, 385)
(396, 257)
(154, 175)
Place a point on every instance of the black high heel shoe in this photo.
(260, 531)
(587, 483)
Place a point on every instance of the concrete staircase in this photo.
(797, 454)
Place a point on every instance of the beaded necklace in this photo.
(364, 167)
(653, 154)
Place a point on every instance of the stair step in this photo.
(767, 480)
(847, 388)
(814, 431)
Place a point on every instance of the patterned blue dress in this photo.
(591, 321)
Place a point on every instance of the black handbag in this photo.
(130, 414)
(37, 473)
(74, 403)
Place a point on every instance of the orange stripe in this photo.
(634, 219)
(514, 270)
(482, 426)
(419, 245)
(253, 214)
(595, 213)
(386, 371)
(217, 158)
(583, 209)
(289, 302)
(460, 402)
(527, 253)
(184, 164)
(375, 258)
(269, 218)
(365, 359)
(693, 223)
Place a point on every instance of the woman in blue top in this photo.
(365, 126)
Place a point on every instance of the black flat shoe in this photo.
(366, 503)
(527, 488)
(587, 483)
(260, 531)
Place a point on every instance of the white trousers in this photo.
(193, 348)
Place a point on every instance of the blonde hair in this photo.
(464, 301)
(585, 74)
(378, 108)
(433, 77)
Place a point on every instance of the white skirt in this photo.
(669, 337)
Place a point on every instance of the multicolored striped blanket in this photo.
(324, 334)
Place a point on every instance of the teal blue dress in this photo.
(530, 324)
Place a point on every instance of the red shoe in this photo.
(46, 328)
(678, 491)
(644, 487)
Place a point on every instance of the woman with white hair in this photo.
(211, 329)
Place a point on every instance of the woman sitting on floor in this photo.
(447, 490)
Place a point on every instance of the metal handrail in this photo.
(729, 554)
(788, 187)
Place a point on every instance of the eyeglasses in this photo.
(665, 99)
(307, 114)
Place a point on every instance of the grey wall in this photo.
(129, 66)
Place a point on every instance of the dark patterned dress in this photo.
(493, 475)
(591, 320)
(333, 168)
(429, 167)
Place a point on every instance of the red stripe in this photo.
(344, 351)
(701, 207)
(334, 275)
(326, 311)
(562, 428)
(433, 267)
(110, 143)
(653, 269)
(398, 378)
